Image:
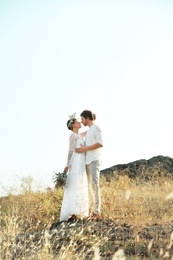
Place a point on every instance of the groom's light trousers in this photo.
(93, 174)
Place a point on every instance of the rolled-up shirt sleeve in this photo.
(98, 135)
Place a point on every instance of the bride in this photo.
(75, 200)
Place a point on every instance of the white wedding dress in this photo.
(75, 200)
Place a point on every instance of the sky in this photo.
(113, 57)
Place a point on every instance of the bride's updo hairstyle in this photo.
(71, 121)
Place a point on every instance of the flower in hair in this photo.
(71, 118)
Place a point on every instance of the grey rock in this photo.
(143, 169)
(84, 235)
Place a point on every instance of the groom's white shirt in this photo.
(94, 135)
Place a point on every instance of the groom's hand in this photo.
(81, 149)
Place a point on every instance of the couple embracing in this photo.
(82, 193)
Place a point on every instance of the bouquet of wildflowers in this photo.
(60, 179)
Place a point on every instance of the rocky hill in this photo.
(83, 238)
(143, 169)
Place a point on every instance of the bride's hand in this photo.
(66, 168)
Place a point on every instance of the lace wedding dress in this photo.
(75, 200)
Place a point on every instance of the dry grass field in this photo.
(136, 223)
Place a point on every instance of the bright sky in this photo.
(114, 57)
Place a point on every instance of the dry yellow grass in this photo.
(124, 201)
(135, 203)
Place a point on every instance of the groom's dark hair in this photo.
(87, 114)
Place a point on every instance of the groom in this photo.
(94, 142)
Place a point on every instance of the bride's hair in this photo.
(70, 122)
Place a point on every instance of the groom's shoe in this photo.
(94, 216)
